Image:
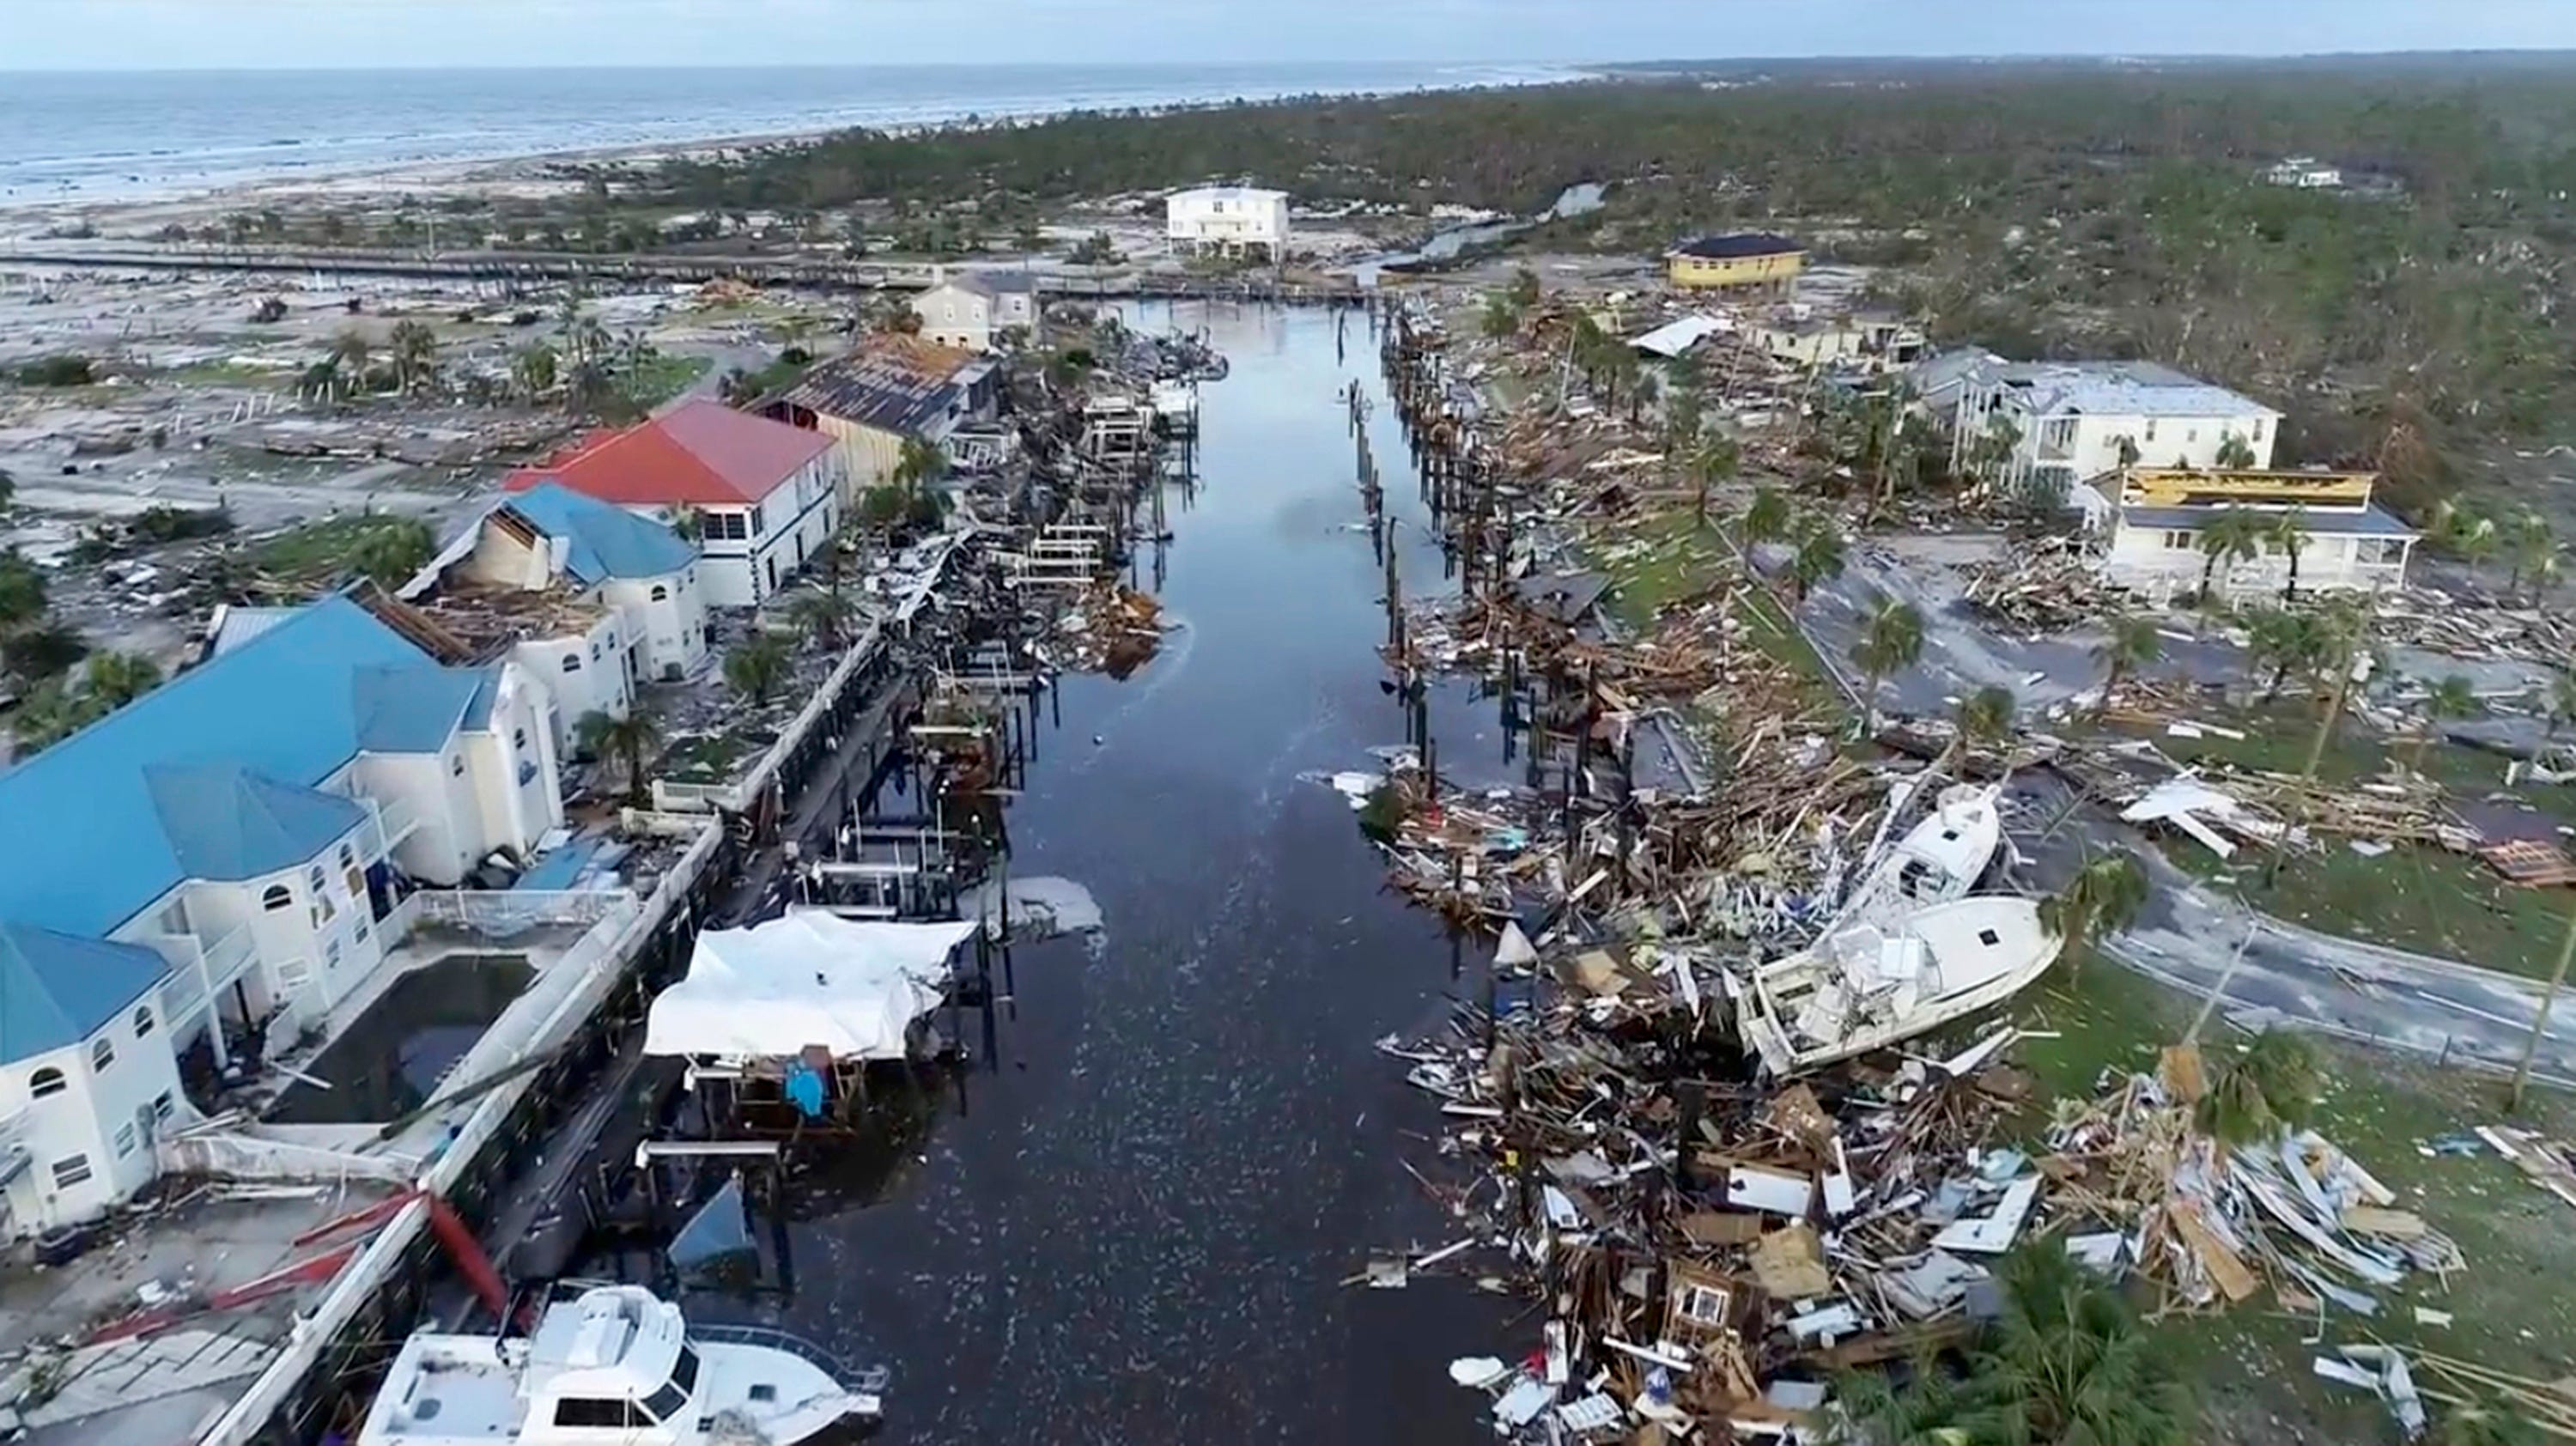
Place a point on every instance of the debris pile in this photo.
(1706, 1253)
(2046, 587)
(1110, 629)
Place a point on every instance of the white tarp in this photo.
(769, 991)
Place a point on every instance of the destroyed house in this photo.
(763, 497)
(1738, 259)
(593, 600)
(2155, 519)
(225, 856)
(884, 392)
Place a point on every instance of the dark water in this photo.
(386, 1063)
(1136, 1230)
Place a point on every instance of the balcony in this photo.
(396, 820)
(198, 970)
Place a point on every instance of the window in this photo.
(1702, 1305)
(331, 955)
(47, 1081)
(124, 1140)
(2179, 541)
(518, 737)
(2258, 429)
(102, 1054)
(661, 593)
(572, 662)
(456, 766)
(1989, 938)
(142, 1020)
(313, 878)
(362, 928)
(163, 1107)
(2151, 429)
(70, 1170)
(2192, 436)
(759, 524)
(674, 1393)
(348, 857)
(594, 648)
(174, 919)
(275, 897)
(596, 1412)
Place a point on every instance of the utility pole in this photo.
(2548, 1002)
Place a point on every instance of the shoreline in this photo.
(28, 217)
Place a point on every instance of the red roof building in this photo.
(766, 495)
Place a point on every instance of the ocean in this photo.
(70, 137)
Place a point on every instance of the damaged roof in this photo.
(898, 384)
(1737, 245)
(602, 541)
(700, 453)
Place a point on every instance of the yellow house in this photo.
(1746, 258)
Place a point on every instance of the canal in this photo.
(1135, 1224)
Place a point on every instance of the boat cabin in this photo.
(612, 1365)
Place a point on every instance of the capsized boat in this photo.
(1868, 985)
(616, 1363)
(1940, 859)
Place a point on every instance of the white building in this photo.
(765, 497)
(971, 309)
(1230, 220)
(2154, 521)
(591, 599)
(2077, 421)
(229, 856)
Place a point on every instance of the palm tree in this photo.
(323, 381)
(116, 679)
(920, 464)
(51, 712)
(2131, 644)
(2128, 449)
(2103, 898)
(756, 668)
(1984, 718)
(1993, 450)
(2289, 533)
(2269, 1086)
(1766, 518)
(1889, 642)
(533, 368)
(22, 590)
(823, 615)
(1502, 319)
(627, 740)
(1716, 462)
(2235, 454)
(2235, 534)
(351, 351)
(2451, 698)
(2065, 1362)
(2286, 643)
(2533, 548)
(393, 551)
(1819, 557)
(415, 354)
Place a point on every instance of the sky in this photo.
(358, 34)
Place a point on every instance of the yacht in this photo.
(614, 1363)
(1939, 859)
(1867, 985)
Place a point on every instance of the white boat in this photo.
(1868, 985)
(1176, 403)
(1939, 859)
(614, 1363)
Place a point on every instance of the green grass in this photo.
(704, 758)
(2413, 897)
(2251, 1360)
(320, 550)
(664, 377)
(1664, 560)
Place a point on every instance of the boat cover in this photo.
(811, 978)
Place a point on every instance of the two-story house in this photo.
(886, 391)
(2073, 422)
(1228, 220)
(592, 599)
(762, 496)
(971, 310)
(221, 858)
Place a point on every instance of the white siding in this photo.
(103, 1120)
(665, 621)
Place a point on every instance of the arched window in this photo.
(275, 897)
(142, 1020)
(661, 593)
(102, 1054)
(47, 1081)
(572, 662)
(348, 857)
